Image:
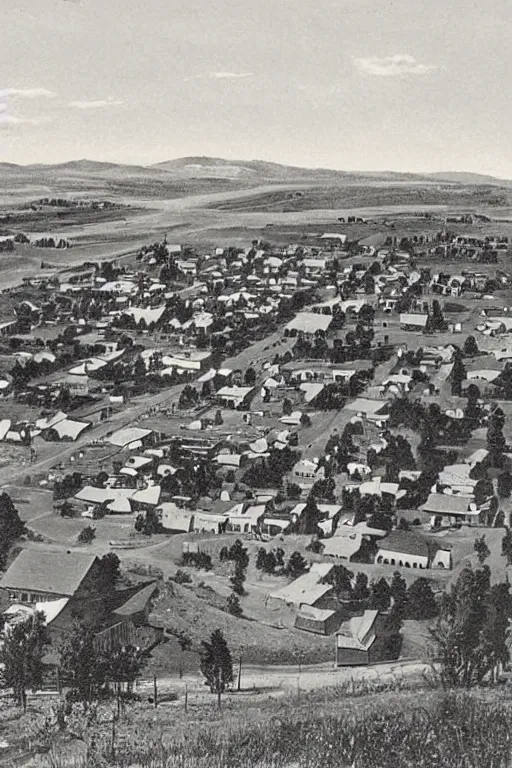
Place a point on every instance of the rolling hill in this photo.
(251, 171)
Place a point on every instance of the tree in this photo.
(139, 370)
(185, 643)
(293, 491)
(398, 589)
(218, 418)
(472, 628)
(124, 665)
(250, 377)
(233, 605)
(421, 603)
(238, 578)
(305, 420)
(11, 526)
(506, 546)
(216, 663)
(470, 347)
(458, 374)
(505, 485)
(296, 565)
(341, 580)
(21, 656)
(496, 442)
(109, 572)
(287, 407)
(361, 591)
(83, 666)
(481, 549)
(87, 534)
(380, 597)
(309, 518)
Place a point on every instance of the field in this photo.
(363, 726)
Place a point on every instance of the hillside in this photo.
(251, 171)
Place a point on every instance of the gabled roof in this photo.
(59, 573)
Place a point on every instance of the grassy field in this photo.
(422, 728)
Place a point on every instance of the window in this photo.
(24, 597)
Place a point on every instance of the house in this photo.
(38, 576)
(130, 437)
(452, 509)
(246, 518)
(333, 238)
(376, 411)
(320, 621)
(409, 550)
(307, 590)
(235, 397)
(174, 519)
(305, 473)
(366, 639)
(413, 321)
(308, 323)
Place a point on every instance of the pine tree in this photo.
(380, 598)
(361, 590)
(398, 589)
(470, 348)
(481, 549)
(421, 603)
(216, 663)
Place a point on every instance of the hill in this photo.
(252, 172)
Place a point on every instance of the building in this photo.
(320, 621)
(235, 397)
(39, 577)
(366, 639)
(413, 322)
(409, 550)
(452, 510)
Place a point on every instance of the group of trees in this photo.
(236, 554)
(414, 602)
(472, 630)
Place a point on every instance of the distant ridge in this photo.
(252, 172)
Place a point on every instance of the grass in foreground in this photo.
(423, 729)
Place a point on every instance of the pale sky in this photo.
(405, 85)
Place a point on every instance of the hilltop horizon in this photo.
(204, 166)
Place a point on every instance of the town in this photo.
(251, 451)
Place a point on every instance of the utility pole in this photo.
(240, 669)
(186, 697)
(155, 692)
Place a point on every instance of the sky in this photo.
(404, 85)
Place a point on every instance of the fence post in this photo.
(186, 697)
(155, 692)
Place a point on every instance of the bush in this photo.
(182, 577)
(233, 605)
(87, 535)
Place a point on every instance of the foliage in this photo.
(21, 656)
(83, 667)
(506, 546)
(471, 632)
(11, 526)
(233, 605)
(380, 597)
(421, 603)
(470, 347)
(200, 560)
(296, 565)
(481, 549)
(109, 572)
(87, 535)
(216, 662)
(361, 590)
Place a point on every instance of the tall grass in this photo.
(450, 731)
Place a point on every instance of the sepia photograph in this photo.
(255, 384)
